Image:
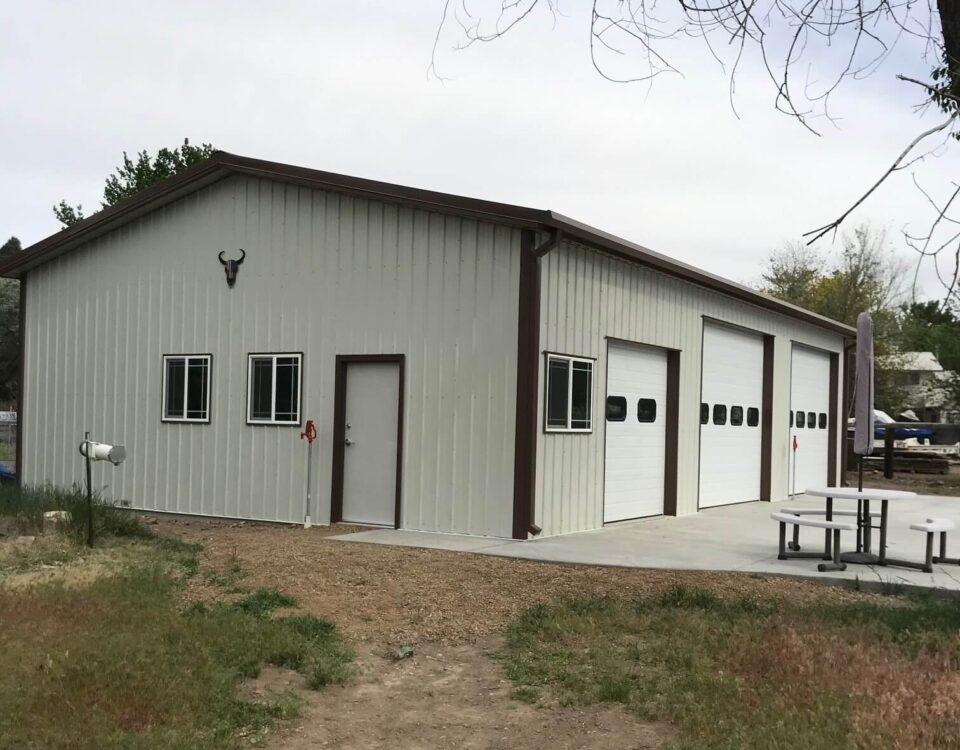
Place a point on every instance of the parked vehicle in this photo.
(881, 418)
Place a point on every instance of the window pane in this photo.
(704, 413)
(719, 414)
(557, 380)
(580, 408)
(173, 398)
(801, 418)
(736, 415)
(753, 416)
(812, 419)
(822, 421)
(646, 410)
(197, 388)
(616, 408)
(261, 391)
(288, 389)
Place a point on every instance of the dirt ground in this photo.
(452, 697)
(389, 595)
(453, 609)
(925, 484)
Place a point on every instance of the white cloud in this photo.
(344, 87)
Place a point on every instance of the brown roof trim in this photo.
(220, 164)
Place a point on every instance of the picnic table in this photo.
(863, 553)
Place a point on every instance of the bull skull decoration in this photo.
(230, 267)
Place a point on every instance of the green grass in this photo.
(117, 665)
(8, 451)
(745, 673)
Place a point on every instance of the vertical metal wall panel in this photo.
(587, 296)
(326, 273)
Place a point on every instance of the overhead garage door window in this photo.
(569, 394)
(616, 408)
(736, 415)
(704, 413)
(646, 410)
(719, 414)
(822, 421)
(801, 418)
(753, 416)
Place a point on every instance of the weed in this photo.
(263, 601)
(525, 694)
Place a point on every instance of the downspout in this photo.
(21, 368)
(528, 368)
(539, 252)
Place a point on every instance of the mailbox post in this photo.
(94, 451)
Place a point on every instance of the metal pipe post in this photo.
(86, 451)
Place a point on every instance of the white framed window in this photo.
(569, 395)
(273, 395)
(186, 388)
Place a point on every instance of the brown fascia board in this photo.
(221, 164)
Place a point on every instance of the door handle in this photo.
(347, 441)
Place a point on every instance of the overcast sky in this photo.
(344, 87)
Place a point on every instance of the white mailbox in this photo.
(103, 452)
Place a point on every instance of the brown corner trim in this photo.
(528, 365)
(766, 422)
(339, 428)
(672, 434)
(21, 369)
(833, 421)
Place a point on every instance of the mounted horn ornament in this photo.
(230, 267)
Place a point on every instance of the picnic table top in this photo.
(867, 493)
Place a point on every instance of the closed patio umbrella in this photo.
(863, 395)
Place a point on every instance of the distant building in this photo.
(926, 387)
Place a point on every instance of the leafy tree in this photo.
(9, 327)
(930, 327)
(133, 175)
(863, 276)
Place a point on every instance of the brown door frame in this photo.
(339, 427)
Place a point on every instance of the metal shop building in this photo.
(469, 366)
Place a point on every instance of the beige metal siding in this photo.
(587, 296)
(325, 274)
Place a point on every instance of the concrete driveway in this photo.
(736, 538)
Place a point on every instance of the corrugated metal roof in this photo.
(221, 164)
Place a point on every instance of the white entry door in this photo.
(731, 400)
(636, 417)
(370, 437)
(809, 419)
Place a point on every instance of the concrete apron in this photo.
(736, 538)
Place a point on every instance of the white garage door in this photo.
(731, 399)
(635, 450)
(809, 419)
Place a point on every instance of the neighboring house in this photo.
(926, 387)
(470, 366)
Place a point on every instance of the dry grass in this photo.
(752, 672)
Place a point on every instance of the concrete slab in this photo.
(736, 538)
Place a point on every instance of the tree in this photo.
(9, 327)
(133, 175)
(808, 48)
(928, 327)
(864, 275)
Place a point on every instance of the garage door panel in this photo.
(730, 455)
(809, 393)
(635, 451)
